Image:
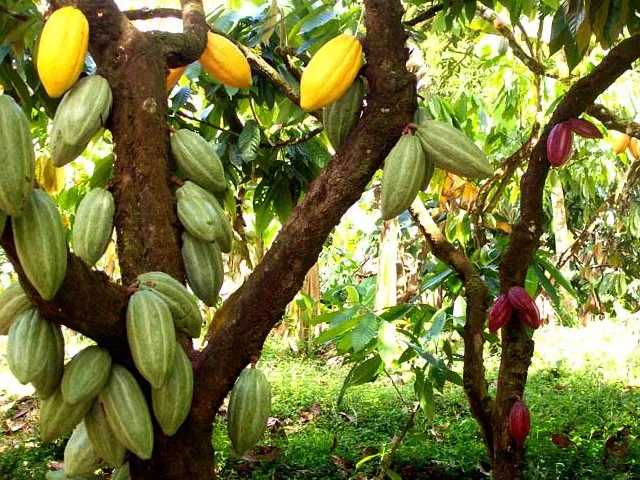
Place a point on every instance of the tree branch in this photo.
(295, 141)
(149, 13)
(17, 16)
(246, 322)
(531, 63)
(428, 14)
(612, 121)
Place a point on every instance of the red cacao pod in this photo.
(519, 422)
(525, 306)
(500, 312)
(584, 128)
(559, 144)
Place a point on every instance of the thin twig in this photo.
(208, 124)
(397, 440)
(16, 15)
(424, 16)
(295, 141)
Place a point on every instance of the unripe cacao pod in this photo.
(174, 76)
(13, 302)
(519, 422)
(429, 170)
(57, 418)
(500, 312)
(85, 375)
(451, 150)
(584, 128)
(93, 225)
(402, 176)
(31, 340)
(127, 412)
(620, 142)
(184, 307)
(249, 408)
(122, 473)
(225, 62)
(198, 160)
(171, 403)
(40, 241)
(525, 306)
(17, 157)
(340, 117)
(152, 336)
(634, 148)
(48, 381)
(421, 115)
(63, 152)
(197, 215)
(102, 438)
(330, 72)
(204, 267)
(63, 46)
(79, 456)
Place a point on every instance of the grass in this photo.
(584, 385)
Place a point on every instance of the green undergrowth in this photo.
(583, 392)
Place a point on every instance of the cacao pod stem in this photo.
(559, 144)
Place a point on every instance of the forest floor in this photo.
(583, 392)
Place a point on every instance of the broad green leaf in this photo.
(335, 332)
(249, 141)
(557, 276)
(335, 318)
(364, 331)
(387, 343)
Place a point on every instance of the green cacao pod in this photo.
(127, 412)
(341, 116)
(171, 403)
(198, 160)
(13, 302)
(152, 336)
(205, 270)
(41, 244)
(249, 407)
(48, 381)
(452, 150)
(421, 115)
(122, 473)
(17, 157)
(402, 177)
(79, 456)
(63, 152)
(93, 225)
(184, 307)
(85, 375)
(429, 169)
(58, 418)
(197, 213)
(102, 438)
(31, 340)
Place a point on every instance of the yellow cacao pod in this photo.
(225, 62)
(63, 45)
(330, 72)
(634, 147)
(174, 76)
(620, 142)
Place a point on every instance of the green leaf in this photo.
(102, 172)
(335, 332)
(364, 332)
(515, 10)
(557, 276)
(387, 342)
(427, 401)
(335, 318)
(433, 282)
(366, 372)
(283, 202)
(249, 141)
(393, 475)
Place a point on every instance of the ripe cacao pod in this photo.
(519, 422)
(48, 381)
(402, 177)
(330, 72)
(620, 142)
(31, 340)
(584, 128)
(500, 312)
(174, 76)
(79, 456)
(249, 407)
(93, 225)
(525, 306)
(57, 417)
(184, 307)
(171, 403)
(225, 62)
(127, 412)
(634, 148)
(122, 473)
(205, 270)
(451, 150)
(198, 160)
(102, 438)
(152, 336)
(62, 48)
(17, 157)
(40, 241)
(85, 375)
(559, 144)
(340, 117)
(13, 302)
(197, 215)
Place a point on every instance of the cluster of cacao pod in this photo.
(519, 422)
(517, 300)
(560, 140)
(622, 142)
(412, 161)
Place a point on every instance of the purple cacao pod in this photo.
(584, 128)
(525, 306)
(500, 312)
(559, 144)
(519, 422)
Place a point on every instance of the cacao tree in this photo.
(155, 218)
